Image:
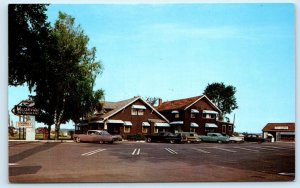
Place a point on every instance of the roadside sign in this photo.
(24, 124)
(25, 107)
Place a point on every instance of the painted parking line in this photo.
(279, 147)
(201, 150)
(232, 151)
(12, 164)
(92, 152)
(246, 149)
(262, 148)
(171, 151)
(136, 151)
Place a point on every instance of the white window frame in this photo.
(145, 129)
(134, 112)
(140, 112)
(230, 128)
(127, 129)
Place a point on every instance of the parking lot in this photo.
(150, 162)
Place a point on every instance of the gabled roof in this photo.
(183, 104)
(120, 105)
(279, 127)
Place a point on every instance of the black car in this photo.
(165, 137)
(253, 138)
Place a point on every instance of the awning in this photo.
(209, 112)
(138, 107)
(146, 124)
(161, 125)
(194, 125)
(176, 123)
(210, 125)
(127, 123)
(115, 121)
(175, 112)
(287, 133)
(195, 111)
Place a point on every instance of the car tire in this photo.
(101, 142)
(111, 142)
(219, 141)
(200, 140)
(172, 141)
(77, 139)
(148, 139)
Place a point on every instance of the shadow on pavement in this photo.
(15, 171)
(20, 156)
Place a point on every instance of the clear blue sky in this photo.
(173, 51)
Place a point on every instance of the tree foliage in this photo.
(28, 34)
(152, 100)
(55, 62)
(66, 90)
(222, 96)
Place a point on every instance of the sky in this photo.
(174, 51)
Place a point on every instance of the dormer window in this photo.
(137, 110)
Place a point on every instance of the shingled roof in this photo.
(182, 104)
(115, 107)
(278, 126)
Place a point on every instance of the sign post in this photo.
(27, 110)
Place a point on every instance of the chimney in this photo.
(159, 101)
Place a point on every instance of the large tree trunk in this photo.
(49, 132)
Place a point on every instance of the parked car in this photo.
(254, 138)
(190, 137)
(165, 137)
(214, 137)
(99, 136)
(236, 139)
(117, 137)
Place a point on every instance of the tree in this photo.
(65, 91)
(28, 34)
(222, 96)
(152, 100)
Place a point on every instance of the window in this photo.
(134, 112)
(145, 129)
(209, 116)
(223, 128)
(229, 127)
(177, 115)
(193, 115)
(140, 112)
(192, 130)
(137, 112)
(126, 129)
(155, 130)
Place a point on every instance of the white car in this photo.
(236, 139)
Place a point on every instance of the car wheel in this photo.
(148, 139)
(77, 139)
(219, 141)
(200, 140)
(172, 141)
(111, 142)
(101, 142)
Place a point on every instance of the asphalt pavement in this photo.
(150, 162)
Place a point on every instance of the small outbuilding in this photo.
(279, 131)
